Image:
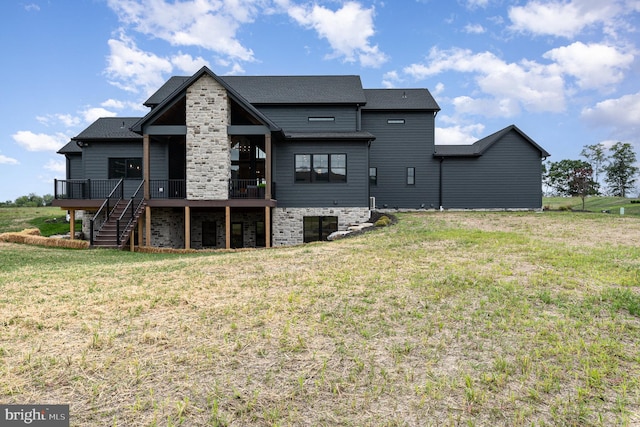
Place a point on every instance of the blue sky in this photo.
(566, 72)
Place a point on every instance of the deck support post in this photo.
(72, 224)
(267, 226)
(147, 224)
(141, 225)
(227, 226)
(187, 227)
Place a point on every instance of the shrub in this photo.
(383, 221)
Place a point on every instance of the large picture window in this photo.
(321, 167)
(318, 228)
(125, 168)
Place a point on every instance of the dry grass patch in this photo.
(442, 319)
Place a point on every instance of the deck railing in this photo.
(168, 189)
(83, 188)
(106, 209)
(246, 189)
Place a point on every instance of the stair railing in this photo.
(129, 213)
(105, 210)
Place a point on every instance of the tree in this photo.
(596, 156)
(567, 178)
(621, 172)
(31, 200)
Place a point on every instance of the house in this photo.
(260, 161)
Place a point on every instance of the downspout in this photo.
(440, 184)
(358, 118)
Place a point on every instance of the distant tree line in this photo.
(31, 200)
(614, 167)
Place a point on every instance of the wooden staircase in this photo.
(107, 236)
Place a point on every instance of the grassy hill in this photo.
(594, 204)
(48, 220)
(501, 319)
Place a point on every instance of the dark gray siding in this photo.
(507, 175)
(96, 160)
(74, 166)
(159, 160)
(353, 193)
(296, 118)
(397, 147)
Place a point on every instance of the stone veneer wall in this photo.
(287, 223)
(167, 228)
(208, 145)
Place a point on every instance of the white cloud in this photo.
(113, 103)
(40, 141)
(510, 86)
(4, 160)
(132, 69)
(347, 30)
(57, 166)
(187, 63)
(209, 24)
(458, 134)
(593, 65)
(32, 7)
(474, 29)
(621, 115)
(92, 114)
(564, 18)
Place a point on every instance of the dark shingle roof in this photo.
(165, 90)
(479, 147)
(298, 89)
(109, 128)
(281, 89)
(70, 148)
(400, 99)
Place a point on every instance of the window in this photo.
(261, 234)
(318, 228)
(338, 168)
(395, 121)
(303, 167)
(237, 235)
(411, 176)
(321, 167)
(209, 234)
(125, 168)
(322, 119)
(373, 176)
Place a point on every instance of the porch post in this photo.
(72, 224)
(227, 226)
(147, 224)
(267, 226)
(146, 162)
(141, 225)
(267, 172)
(132, 239)
(187, 227)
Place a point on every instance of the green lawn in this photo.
(48, 220)
(501, 319)
(595, 204)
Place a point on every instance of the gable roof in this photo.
(299, 89)
(181, 89)
(400, 99)
(479, 147)
(165, 90)
(70, 148)
(109, 128)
